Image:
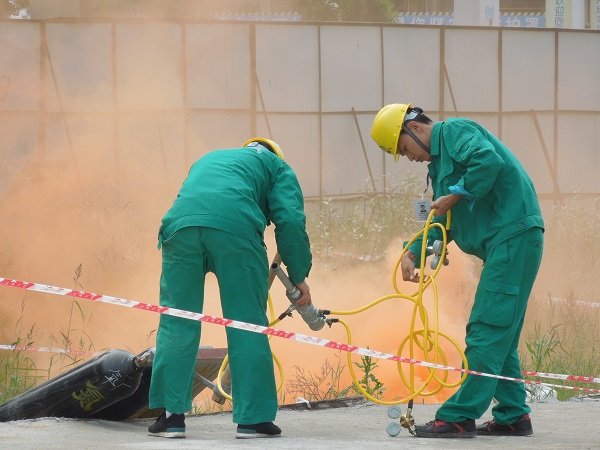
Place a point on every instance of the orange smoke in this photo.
(384, 326)
(102, 239)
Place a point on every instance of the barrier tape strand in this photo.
(272, 332)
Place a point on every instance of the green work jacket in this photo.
(501, 200)
(241, 191)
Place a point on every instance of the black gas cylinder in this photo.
(82, 391)
(127, 407)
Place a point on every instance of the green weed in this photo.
(565, 341)
(369, 382)
(18, 371)
(18, 368)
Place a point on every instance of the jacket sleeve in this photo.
(286, 206)
(477, 155)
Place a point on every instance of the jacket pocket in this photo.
(163, 237)
(496, 304)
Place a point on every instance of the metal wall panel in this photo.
(527, 70)
(18, 135)
(579, 158)
(151, 156)
(472, 63)
(579, 71)
(219, 70)
(80, 67)
(217, 129)
(489, 121)
(345, 165)
(114, 96)
(350, 62)
(521, 136)
(298, 136)
(287, 66)
(19, 66)
(149, 61)
(411, 66)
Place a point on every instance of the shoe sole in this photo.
(255, 435)
(505, 433)
(169, 434)
(465, 434)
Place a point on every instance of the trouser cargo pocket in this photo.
(495, 304)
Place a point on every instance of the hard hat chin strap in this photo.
(415, 138)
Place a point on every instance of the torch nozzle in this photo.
(310, 313)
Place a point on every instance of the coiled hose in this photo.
(425, 339)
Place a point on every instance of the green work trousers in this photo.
(241, 267)
(493, 332)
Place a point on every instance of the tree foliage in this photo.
(347, 10)
(310, 10)
(13, 8)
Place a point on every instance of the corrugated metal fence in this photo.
(129, 98)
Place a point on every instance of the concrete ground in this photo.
(557, 425)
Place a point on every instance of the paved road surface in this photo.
(558, 425)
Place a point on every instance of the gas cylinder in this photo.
(129, 406)
(82, 391)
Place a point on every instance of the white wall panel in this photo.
(151, 153)
(489, 121)
(149, 62)
(411, 66)
(527, 70)
(287, 66)
(579, 155)
(211, 130)
(350, 67)
(311, 76)
(345, 169)
(18, 134)
(472, 63)
(579, 71)
(520, 135)
(218, 60)
(19, 66)
(298, 136)
(82, 63)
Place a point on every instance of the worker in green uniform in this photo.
(496, 217)
(216, 224)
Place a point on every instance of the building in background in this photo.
(579, 14)
(575, 14)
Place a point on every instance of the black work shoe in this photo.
(521, 427)
(173, 427)
(258, 430)
(443, 429)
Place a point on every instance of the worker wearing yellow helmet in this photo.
(216, 224)
(391, 121)
(272, 146)
(496, 217)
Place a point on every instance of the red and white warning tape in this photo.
(277, 333)
(556, 376)
(587, 303)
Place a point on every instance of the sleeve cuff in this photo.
(466, 195)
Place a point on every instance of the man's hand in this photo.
(305, 299)
(443, 204)
(407, 266)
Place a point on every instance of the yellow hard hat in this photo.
(387, 126)
(271, 145)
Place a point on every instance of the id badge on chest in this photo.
(422, 209)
